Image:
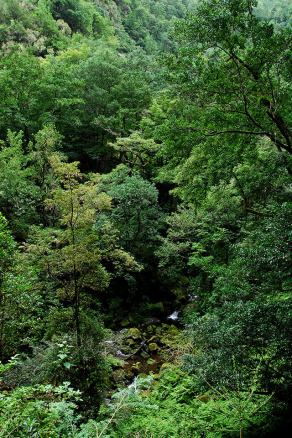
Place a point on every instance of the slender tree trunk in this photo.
(77, 311)
(76, 288)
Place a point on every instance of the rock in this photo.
(170, 336)
(134, 333)
(131, 342)
(153, 346)
(121, 355)
(119, 376)
(158, 330)
(151, 329)
(129, 374)
(116, 362)
(136, 366)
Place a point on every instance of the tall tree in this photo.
(234, 68)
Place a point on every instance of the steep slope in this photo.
(46, 24)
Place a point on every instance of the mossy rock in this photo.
(129, 373)
(131, 342)
(153, 346)
(136, 366)
(134, 333)
(116, 362)
(119, 376)
(158, 330)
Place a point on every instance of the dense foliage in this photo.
(145, 218)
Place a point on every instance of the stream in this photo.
(142, 350)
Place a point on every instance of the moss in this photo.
(131, 342)
(136, 366)
(153, 346)
(134, 333)
(119, 376)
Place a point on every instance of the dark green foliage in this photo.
(135, 212)
(228, 247)
(7, 247)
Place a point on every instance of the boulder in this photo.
(153, 347)
(134, 333)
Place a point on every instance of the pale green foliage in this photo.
(136, 151)
(72, 251)
(173, 407)
(42, 410)
(41, 151)
(69, 258)
(76, 205)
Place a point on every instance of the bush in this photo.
(39, 411)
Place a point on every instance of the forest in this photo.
(145, 218)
